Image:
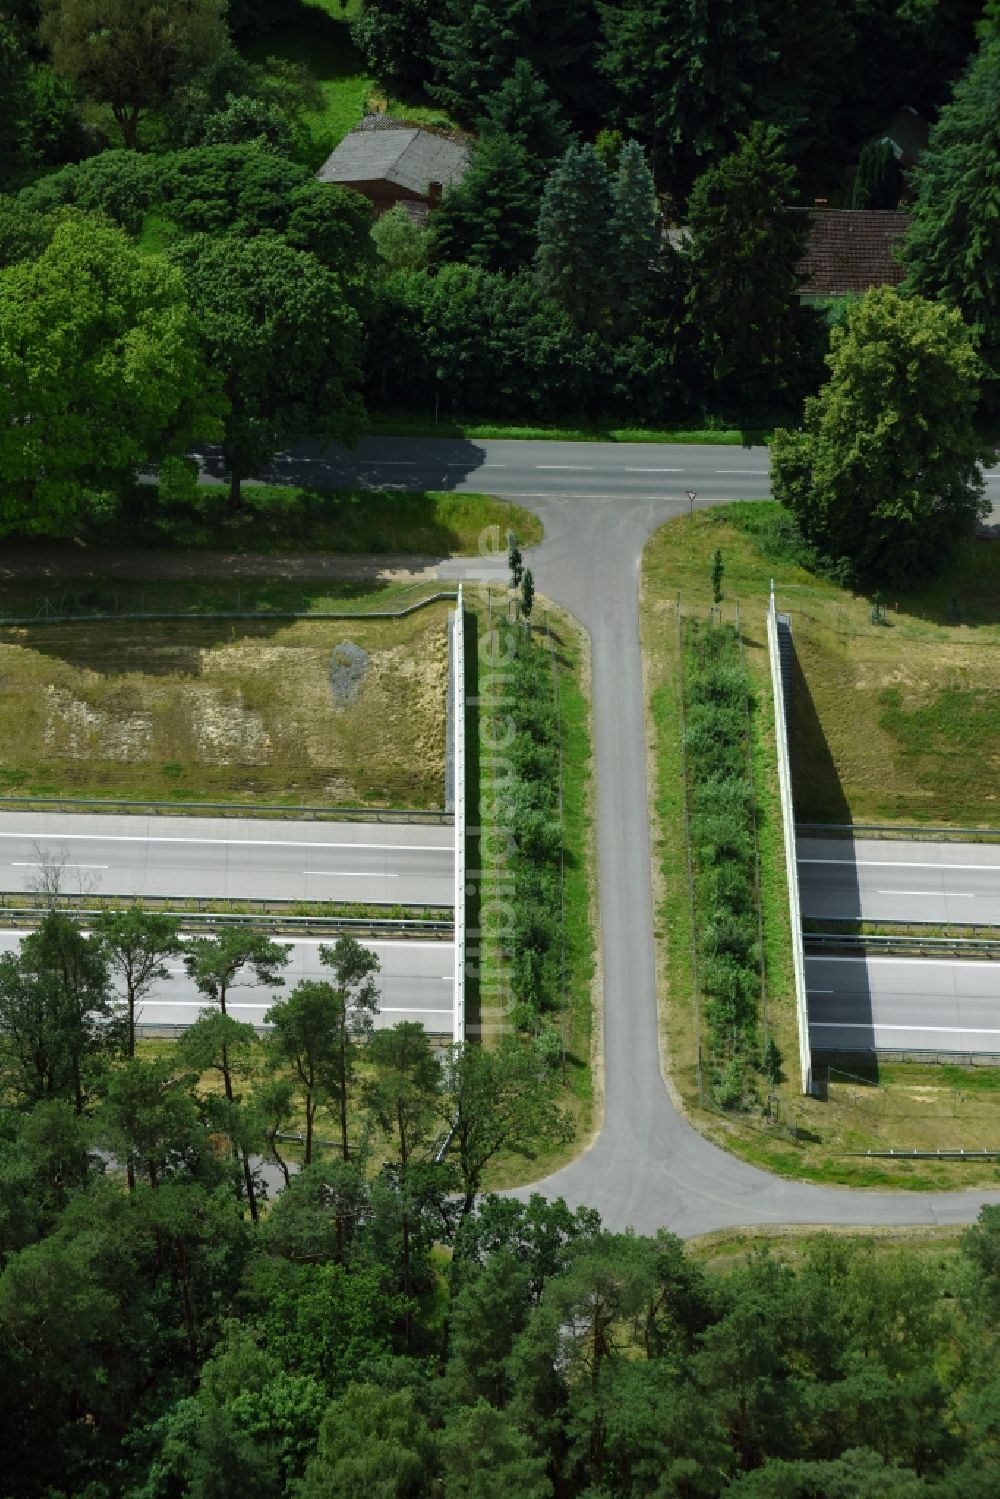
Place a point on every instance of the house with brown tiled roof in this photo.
(850, 250)
(392, 162)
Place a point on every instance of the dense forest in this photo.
(173, 273)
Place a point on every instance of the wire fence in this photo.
(49, 613)
(253, 810)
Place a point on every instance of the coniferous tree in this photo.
(477, 43)
(489, 218)
(683, 74)
(876, 184)
(952, 251)
(576, 238)
(640, 250)
(523, 108)
(744, 253)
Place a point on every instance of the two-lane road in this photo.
(900, 881)
(541, 470)
(229, 858)
(903, 1004)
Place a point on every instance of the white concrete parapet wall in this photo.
(458, 730)
(791, 860)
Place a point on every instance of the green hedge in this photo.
(720, 798)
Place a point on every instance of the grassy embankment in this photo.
(860, 688)
(574, 974)
(277, 518)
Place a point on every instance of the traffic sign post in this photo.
(692, 496)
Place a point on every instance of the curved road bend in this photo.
(648, 1167)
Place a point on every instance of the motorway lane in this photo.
(656, 472)
(903, 1004)
(900, 881)
(416, 983)
(228, 858)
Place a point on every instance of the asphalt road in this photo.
(903, 1004)
(416, 983)
(658, 473)
(900, 881)
(228, 858)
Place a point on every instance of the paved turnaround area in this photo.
(900, 881)
(229, 858)
(415, 982)
(903, 1004)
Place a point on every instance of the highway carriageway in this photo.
(903, 1004)
(230, 859)
(416, 983)
(900, 881)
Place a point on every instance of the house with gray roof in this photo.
(392, 162)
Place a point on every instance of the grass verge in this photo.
(570, 974)
(809, 1139)
(275, 518)
(418, 426)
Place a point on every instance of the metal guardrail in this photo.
(791, 864)
(962, 946)
(891, 830)
(924, 1155)
(249, 810)
(196, 616)
(12, 918)
(458, 721)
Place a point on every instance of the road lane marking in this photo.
(897, 864)
(654, 470)
(740, 471)
(935, 894)
(916, 1029)
(576, 468)
(423, 848)
(34, 864)
(353, 874)
(923, 962)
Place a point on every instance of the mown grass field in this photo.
(417, 426)
(226, 710)
(847, 665)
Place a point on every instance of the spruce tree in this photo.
(744, 253)
(640, 249)
(488, 219)
(524, 109)
(574, 265)
(952, 251)
(683, 75)
(477, 43)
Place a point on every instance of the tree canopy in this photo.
(884, 471)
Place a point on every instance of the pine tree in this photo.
(952, 251)
(744, 254)
(576, 239)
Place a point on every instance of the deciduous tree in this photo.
(287, 344)
(884, 470)
(102, 371)
(129, 53)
